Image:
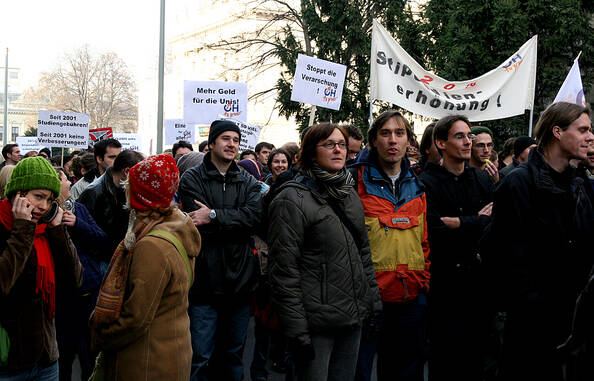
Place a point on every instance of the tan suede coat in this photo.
(151, 338)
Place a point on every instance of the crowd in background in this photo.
(442, 252)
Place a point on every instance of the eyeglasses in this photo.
(483, 145)
(462, 136)
(329, 145)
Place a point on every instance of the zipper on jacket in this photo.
(387, 230)
(355, 296)
(224, 185)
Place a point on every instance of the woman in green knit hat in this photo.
(36, 254)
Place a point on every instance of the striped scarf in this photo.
(338, 185)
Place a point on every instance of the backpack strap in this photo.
(180, 249)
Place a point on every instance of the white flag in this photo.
(572, 90)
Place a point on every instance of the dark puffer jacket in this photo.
(320, 280)
(226, 265)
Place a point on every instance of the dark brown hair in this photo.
(560, 114)
(312, 137)
(382, 119)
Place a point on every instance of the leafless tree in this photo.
(100, 86)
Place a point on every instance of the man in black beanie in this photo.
(225, 205)
(522, 147)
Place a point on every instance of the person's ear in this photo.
(557, 132)
(440, 144)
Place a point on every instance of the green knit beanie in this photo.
(33, 173)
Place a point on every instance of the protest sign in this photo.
(318, 82)
(203, 131)
(63, 129)
(505, 91)
(28, 144)
(249, 134)
(128, 141)
(177, 129)
(204, 101)
(97, 134)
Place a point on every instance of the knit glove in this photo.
(372, 326)
(302, 349)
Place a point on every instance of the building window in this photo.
(13, 75)
(15, 133)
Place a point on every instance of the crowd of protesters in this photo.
(444, 252)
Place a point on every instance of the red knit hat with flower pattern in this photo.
(153, 182)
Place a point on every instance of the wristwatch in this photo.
(212, 215)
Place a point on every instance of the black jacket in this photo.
(454, 252)
(227, 265)
(508, 168)
(320, 279)
(540, 241)
(107, 205)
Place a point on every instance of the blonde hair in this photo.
(4, 177)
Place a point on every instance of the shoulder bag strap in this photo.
(180, 249)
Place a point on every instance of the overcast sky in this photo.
(38, 32)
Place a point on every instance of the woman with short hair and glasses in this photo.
(321, 274)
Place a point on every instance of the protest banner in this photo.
(205, 100)
(63, 129)
(28, 144)
(203, 131)
(249, 134)
(318, 82)
(177, 129)
(129, 141)
(97, 134)
(572, 89)
(503, 92)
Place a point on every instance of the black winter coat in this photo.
(107, 205)
(454, 252)
(227, 265)
(540, 242)
(320, 279)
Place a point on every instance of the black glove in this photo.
(372, 326)
(302, 349)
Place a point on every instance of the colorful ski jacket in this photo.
(395, 216)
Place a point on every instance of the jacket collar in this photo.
(212, 171)
(542, 173)
(442, 173)
(369, 159)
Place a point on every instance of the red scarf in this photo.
(45, 279)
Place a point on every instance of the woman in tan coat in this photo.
(141, 323)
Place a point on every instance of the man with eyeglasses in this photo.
(395, 215)
(459, 202)
(482, 146)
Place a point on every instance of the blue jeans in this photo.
(37, 373)
(218, 337)
(400, 345)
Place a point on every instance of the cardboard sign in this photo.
(129, 141)
(204, 101)
(28, 144)
(249, 134)
(177, 129)
(63, 129)
(99, 134)
(318, 82)
(505, 91)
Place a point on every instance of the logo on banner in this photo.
(513, 63)
(329, 94)
(98, 134)
(231, 108)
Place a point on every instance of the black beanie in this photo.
(219, 126)
(521, 143)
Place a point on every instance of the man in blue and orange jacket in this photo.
(395, 215)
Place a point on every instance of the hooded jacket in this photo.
(151, 338)
(227, 265)
(396, 222)
(321, 281)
